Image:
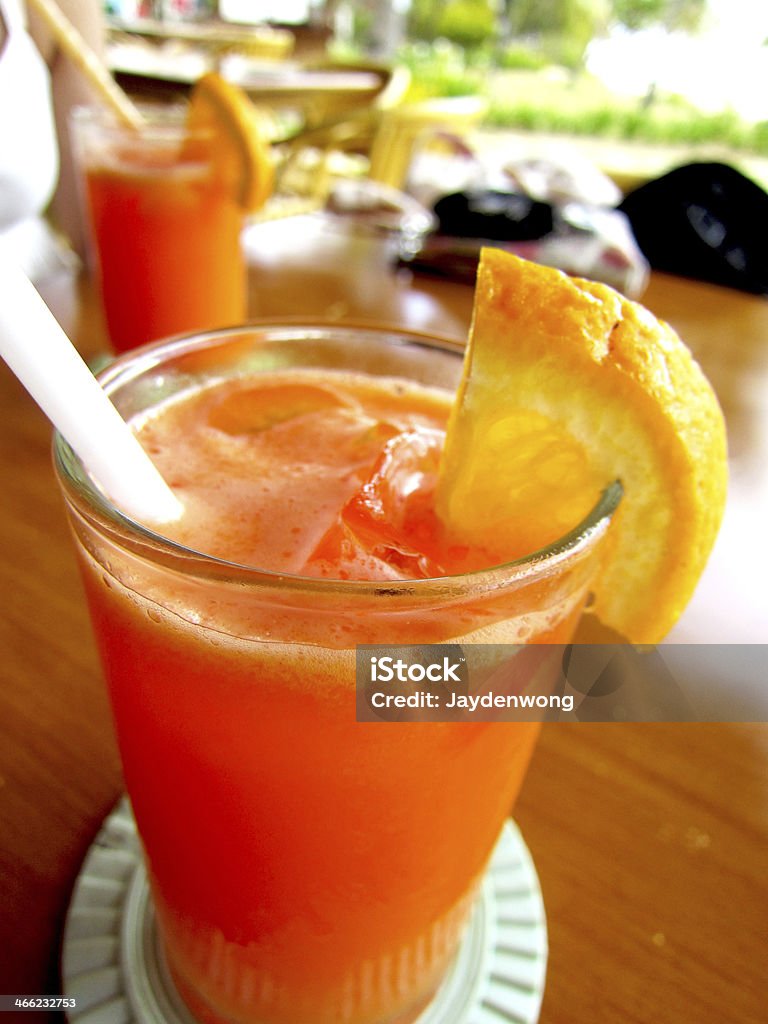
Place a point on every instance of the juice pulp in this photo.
(305, 866)
(167, 239)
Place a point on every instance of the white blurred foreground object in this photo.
(50, 368)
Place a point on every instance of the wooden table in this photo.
(650, 840)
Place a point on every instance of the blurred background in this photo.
(637, 85)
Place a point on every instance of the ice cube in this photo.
(341, 555)
(388, 528)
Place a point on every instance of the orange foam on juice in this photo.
(307, 866)
(337, 476)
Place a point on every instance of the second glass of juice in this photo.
(304, 866)
(165, 228)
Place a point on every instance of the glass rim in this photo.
(161, 122)
(82, 494)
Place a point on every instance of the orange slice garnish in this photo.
(567, 387)
(221, 112)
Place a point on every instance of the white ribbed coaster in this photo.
(112, 962)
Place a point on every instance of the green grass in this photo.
(554, 100)
(582, 106)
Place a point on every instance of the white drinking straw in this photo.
(50, 368)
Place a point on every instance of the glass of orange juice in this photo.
(164, 227)
(304, 865)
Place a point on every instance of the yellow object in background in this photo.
(402, 127)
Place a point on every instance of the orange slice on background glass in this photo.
(567, 387)
(221, 111)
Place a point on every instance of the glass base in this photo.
(113, 964)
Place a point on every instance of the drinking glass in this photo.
(304, 865)
(165, 227)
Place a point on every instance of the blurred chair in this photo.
(338, 103)
(387, 133)
(402, 129)
(371, 87)
(336, 123)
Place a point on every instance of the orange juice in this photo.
(305, 866)
(166, 233)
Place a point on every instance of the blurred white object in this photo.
(595, 242)
(380, 208)
(556, 181)
(435, 174)
(34, 247)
